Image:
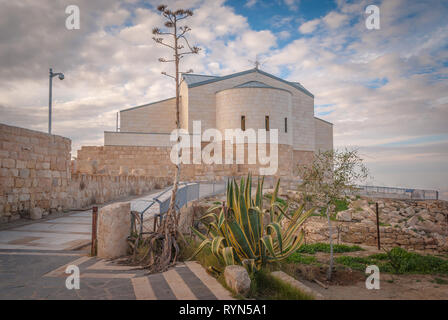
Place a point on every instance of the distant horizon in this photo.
(385, 91)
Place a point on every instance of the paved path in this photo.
(34, 257)
(41, 275)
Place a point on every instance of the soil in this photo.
(347, 284)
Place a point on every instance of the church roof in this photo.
(195, 80)
(254, 84)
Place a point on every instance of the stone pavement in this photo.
(41, 275)
(35, 255)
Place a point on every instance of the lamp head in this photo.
(61, 76)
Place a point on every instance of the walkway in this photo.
(35, 255)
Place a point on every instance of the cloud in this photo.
(250, 3)
(309, 26)
(384, 89)
(334, 19)
(292, 4)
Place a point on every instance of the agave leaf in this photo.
(269, 244)
(199, 249)
(227, 255)
(275, 227)
(199, 234)
(243, 242)
(216, 245)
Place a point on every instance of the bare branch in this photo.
(168, 75)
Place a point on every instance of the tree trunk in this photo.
(172, 209)
(330, 233)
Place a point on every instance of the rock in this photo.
(412, 221)
(114, 224)
(124, 171)
(36, 213)
(409, 211)
(344, 215)
(237, 279)
(440, 217)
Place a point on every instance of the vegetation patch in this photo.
(340, 205)
(300, 258)
(265, 287)
(325, 247)
(398, 261)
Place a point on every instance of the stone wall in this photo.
(324, 135)
(156, 162)
(159, 117)
(416, 225)
(35, 172)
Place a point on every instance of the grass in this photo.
(398, 261)
(440, 281)
(279, 200)
(325, 247)
(302, 259)
(340, 205)
(265, 287)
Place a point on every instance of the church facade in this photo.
(249, 99)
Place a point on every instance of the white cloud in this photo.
(335, 20)
(250, 3)
(309, 26)
(383, 86)
(292, 4)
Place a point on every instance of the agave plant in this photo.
(238, 233)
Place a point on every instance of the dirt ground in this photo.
(350, 284)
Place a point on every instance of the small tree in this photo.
(162, 245)
(331, 176)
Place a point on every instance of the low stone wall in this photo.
(35, 170)
(35, 173)
(156, 162)
(85, 190)
(416, 225)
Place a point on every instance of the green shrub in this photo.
(340, 205)
(398, 261)
(325, 247)
(239, 234)
(302, 259)
(265, 287)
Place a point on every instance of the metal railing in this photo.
(398, 193)
(148, 212)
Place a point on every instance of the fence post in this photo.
(378, 226)
(94, 221)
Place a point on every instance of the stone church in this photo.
(249, 99)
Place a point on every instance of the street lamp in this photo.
(52, 75)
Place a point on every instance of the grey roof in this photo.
(211, 79)
(254, 84)
(191, 78)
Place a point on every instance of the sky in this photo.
(385, 91)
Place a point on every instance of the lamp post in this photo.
(52, 75)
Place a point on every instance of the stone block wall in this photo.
(35, 170)
(156, 162)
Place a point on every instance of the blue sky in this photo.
(386, 91)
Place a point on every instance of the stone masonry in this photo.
(35, 172)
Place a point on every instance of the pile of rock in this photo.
(419, 225)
